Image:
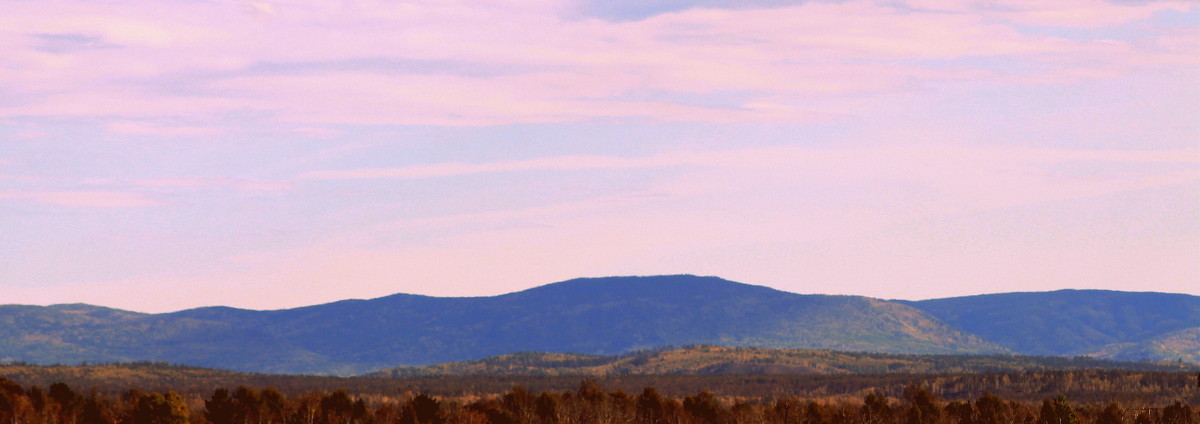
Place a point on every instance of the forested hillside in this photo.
(596, 316)
(602, 316)
(1111, 324)
(1182, 345)
(733, 360)
(1079, 397)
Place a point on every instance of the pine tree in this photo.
(1112, 415)
(1057, 411)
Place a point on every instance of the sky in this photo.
(163, 155)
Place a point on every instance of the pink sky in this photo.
(160, 156)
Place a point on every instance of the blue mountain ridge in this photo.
(602, 316)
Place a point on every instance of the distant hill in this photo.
(1070, 322)
(595, 316)
(147, 376)
(1182, 345)
(707, 360)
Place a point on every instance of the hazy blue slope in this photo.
(1067, 321)
(1180, 345)
(610, 315)
(600, 316)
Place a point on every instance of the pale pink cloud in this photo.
(794, 242)
(118, 192)
(263, 186)
(1180, 156)
(28, 134)
(562, 163)
(1066, 13)
(569, 69)
(813, 194)
(23, 178)
(317, 132)
(867, 256)
(880, 158)
(1082, 13)
(179, 182)
(227, 183)
(534, 218)
(785, 230)
(85, 198)
(357, 98)
(156, 129)
(130, 104)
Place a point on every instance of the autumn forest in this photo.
(1032, 397)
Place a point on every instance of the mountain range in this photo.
(604, 316)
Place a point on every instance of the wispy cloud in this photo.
(197, 182)
(150, 128)
(28, 134)
(85, 198)
(820, 193)
(805, 217)
(563, 163)
(868, 158)
(708, 136)
(210, 59)
(125, 193)
(1078, 13)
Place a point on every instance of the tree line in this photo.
(1081, 386)
(588, 403)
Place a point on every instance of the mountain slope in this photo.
(595, 316)
(602, 316)
(739, 360)
(1066, 322)
(1182, 345)
(32, 333)
(607, 316)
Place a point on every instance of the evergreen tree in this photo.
(336, 408)
(1057, 411)
(247, 406)
(160, 408)
(8, 409)
(991, 409)
(359, 413)
(521, 404)
(875, 408)
(1112, 414)
(923, 408)
(787, 409)
(218, 409)
(548, 407)
(274, 406)
(97, 410)
(961, 412)
(706, 408)
(813, 415)
(1178, 413)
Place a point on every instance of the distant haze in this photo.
(607, 316)
(157, 156)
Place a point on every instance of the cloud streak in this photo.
(85, 198)
(563, 163)
(481, 146)
(307, 62)
(116, 193)
(869, 158)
